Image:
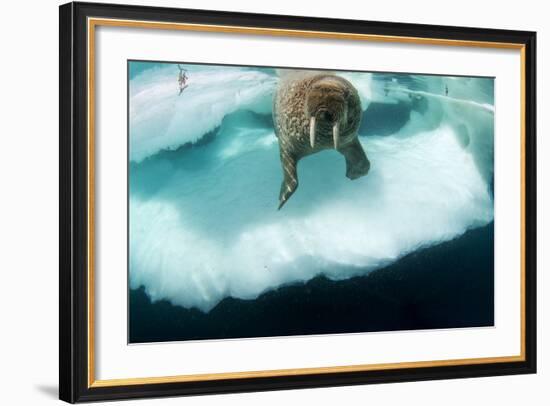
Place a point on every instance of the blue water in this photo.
(205, 177)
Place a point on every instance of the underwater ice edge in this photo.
(205, 177)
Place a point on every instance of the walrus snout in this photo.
(327, 118)
(335, 124)
(333, 112)
(327, 115)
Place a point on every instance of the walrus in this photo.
(314, 111)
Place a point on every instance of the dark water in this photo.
(445, 286)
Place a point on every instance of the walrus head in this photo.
(327, 107)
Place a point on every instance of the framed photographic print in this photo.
(255, 202)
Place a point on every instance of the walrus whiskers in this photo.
(336, 135)
(312, 132)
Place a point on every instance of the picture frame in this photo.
(79, 22)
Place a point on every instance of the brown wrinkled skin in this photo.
(333, 101)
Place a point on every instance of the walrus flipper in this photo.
(357, 163)
(290, 181)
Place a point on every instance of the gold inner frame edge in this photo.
(91, 25)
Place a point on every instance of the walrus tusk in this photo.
(312, 132)
(336, 135)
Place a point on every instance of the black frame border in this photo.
(73, 206)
